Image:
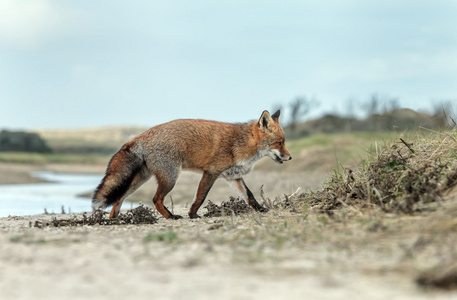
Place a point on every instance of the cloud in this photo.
(25, 23)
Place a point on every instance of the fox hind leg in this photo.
(204, 186)
(166, 181)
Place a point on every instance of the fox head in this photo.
(272, 137)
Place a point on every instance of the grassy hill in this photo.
(78, 146)
(321, 152)
(103, 140)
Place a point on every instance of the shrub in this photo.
(22, 141)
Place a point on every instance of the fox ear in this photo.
(265, 120)
(276, 115)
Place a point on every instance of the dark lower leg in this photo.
(249, 197)
(115, 210)
(205, 185)
(165, 185)
(158, 203)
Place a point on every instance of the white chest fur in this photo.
(243, 167)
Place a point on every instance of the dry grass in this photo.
(412, 182)
(406, 176)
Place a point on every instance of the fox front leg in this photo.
(247, 195)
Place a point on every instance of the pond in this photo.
(62, 190)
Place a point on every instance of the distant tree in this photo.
(22, 141)
(300, 107)
(390, 105)
(379, 110)
(372, 105)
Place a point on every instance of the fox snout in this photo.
(287, 159)
(281, 158)
(279, 153)
(285, 154)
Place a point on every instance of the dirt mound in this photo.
(236, 206)
(139, 215)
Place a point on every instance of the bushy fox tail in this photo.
(123, 170)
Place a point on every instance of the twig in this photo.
(408, 145)
(266, 201)
(295, 193)
(172, 205)
(262, 194)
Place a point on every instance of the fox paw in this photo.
(262, 209)
(176, 217)
(194, 216)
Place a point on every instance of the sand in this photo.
(277, 255)
(209, 258)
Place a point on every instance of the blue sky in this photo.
(83, 63)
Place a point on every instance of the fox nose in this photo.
(290, 157)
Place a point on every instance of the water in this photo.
(63, 190)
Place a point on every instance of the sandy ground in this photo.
(277, 255)
(209, 258)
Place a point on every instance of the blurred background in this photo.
(78, 64)
(80, 78)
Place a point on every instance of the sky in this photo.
(81, 63)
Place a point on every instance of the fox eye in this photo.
(279, 144)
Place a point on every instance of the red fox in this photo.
(216, 149)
